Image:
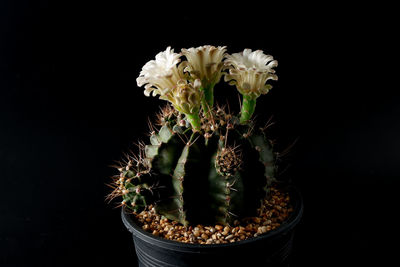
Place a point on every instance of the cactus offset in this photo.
(202, 164)
(134, 183)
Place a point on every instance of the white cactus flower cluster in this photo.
(250, 71)
(183, 82)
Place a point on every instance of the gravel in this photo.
(271, 215)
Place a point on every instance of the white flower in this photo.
(205, 63)
(161, 75)
(250, 71)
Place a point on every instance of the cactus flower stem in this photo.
(248, 107)
(207, 100)
(194, 120)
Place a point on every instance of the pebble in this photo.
(218, 227)
(262, 230)
(229, 237)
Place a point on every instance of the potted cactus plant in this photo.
(203, 189)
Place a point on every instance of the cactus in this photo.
(202, 164)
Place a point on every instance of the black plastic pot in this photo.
(271, 249)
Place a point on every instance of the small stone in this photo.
(218, 227)
(229, 237)
(262, 229)
(204, 236)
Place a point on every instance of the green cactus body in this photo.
(198, 178)
(227, 195)
(136, 188)
(164, 151)
(163, 155)
(267, 158)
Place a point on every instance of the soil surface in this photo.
(274, 211)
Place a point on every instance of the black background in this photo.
(69, 107)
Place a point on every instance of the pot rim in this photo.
(290, 223)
